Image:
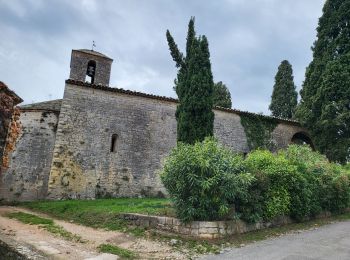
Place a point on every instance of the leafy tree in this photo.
(221, 95)
(194, 87)
(284, 96)
(324, 107)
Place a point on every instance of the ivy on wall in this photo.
(258, 130)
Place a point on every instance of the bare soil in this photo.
(58, 248)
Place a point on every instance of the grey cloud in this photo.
(247, 40)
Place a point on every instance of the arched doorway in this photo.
(302, 138)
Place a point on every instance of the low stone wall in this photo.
(201, 229)
(11, 249)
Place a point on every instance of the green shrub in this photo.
(208, 182)
(282, 189)
(327, 182)
(204, 179)
(278, 203)
(340, 193)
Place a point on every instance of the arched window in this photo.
(302, 138)
(90, 72)
(114, 143)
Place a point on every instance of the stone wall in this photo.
(201, 229)
(8, 100)
(83, 165)
(26, 177)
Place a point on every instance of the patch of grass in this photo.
(46, 224)
(121, 252)
(150, 206)
(103, 213)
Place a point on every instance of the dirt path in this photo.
(59, 248)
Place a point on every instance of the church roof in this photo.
(169, 99)
(52, 105)
(92, 52)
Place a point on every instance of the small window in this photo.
(114, 143)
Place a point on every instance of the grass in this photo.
(102, 213)
(121, 252)
(46, 224)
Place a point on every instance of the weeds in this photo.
(46, 224)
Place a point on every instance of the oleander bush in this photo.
(204, 179)
(209, 182)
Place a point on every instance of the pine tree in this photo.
(284, 97)
(194, 87)
(324, 106)
(221, 95)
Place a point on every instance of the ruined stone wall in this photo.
(29, 156)
(83, 165)
(6, 110)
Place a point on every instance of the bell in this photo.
(91, 71)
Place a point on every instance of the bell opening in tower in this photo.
(90, 72)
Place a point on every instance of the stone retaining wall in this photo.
(11, 249)
(201, 229)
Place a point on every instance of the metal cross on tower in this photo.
(93, 45)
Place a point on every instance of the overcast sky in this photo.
(247, 42)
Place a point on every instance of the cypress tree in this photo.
(221, 95)
(324, 106)
(194, 87)
(284, 96)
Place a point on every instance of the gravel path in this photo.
(58, 248)
(326, 243)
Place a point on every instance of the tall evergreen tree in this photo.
(284, 97)
(194, 87)
(324, 107)
(221, 95)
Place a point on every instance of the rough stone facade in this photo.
(104, 142)
(26, 177)
(8, 100)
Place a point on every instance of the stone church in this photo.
(98, 141)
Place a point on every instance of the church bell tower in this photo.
(90, 66)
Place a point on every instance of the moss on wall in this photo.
(258, 130)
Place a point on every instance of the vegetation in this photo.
(258, 131)
(324, 107)
(203, 179)
(194, 87)
(121, 252)
(221, 95)
(46, 224)
(208, 182)
(102, 213)
(284, 97)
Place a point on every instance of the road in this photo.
(326, 243)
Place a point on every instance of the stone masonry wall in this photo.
(26, 177)
(83, 165)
